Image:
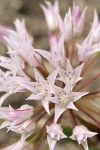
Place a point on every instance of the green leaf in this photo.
(67, 131)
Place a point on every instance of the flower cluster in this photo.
(60, 90)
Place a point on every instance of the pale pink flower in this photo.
(26, 84)
(73, 23)
(96, 34)
(95, 29)
(85, 50)
(70, 76)
(91, 44)
(66, 26)
(13, 116)
(22, 31)
(14, 64)
(78, 20)
(25, 129)
(57, 56)
(43, 90)
(55, 134)
(81, 133)
(50, 14)
(10, 85)
(23, 49)
(7, 82)
(64, 99)
(95, 22)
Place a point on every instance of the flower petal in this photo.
(70, 105)
(51, 143)
(45, 54)
(85, 145)
(38, 76)
(38, 96)
(78, 95)
(45, 103)
(52, 77)
(58, 111)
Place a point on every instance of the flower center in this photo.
(44, 88)
(64, 98)
(55, 136)
(70, 79)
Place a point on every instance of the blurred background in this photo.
(32, 13)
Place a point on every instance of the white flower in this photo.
(14, 117)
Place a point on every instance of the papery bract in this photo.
(55, 133)
(81, 133)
